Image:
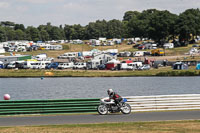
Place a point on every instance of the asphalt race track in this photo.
(96, 118)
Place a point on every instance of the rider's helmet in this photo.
(110, 92)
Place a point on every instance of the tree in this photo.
(159, 24)
(10, 34)
(19, 26)
(56, 33)
(7, 24)
(2, 34)
(137, 26)
(19, 35)
(188, 23)
(130, 14)
(44, 35)
(115, 29)
(96, 29)
(32, 34)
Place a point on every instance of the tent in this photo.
(180, 66)
(198, 66)
(112, 64)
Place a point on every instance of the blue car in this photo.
(1, 65)
(53, 65)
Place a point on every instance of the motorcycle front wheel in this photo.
(102, 109)
(126, 108)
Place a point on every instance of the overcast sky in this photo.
(36, 12)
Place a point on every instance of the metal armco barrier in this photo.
(48, 106)
(164, 102)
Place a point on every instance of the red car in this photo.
(141, 47)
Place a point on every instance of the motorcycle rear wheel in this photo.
(126, 108)
(102, 109)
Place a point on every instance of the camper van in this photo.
(134, 65)
(41, 64)
(139, 53)
(65, 65)
(41, 57)
(29, 64)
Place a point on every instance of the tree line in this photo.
(152, 24)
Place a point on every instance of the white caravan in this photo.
(68, 55)
(168, 45)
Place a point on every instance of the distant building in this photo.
(7, 59)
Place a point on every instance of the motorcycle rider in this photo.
(112, 95)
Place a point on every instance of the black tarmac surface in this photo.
(96, 118)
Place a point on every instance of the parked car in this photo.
(65, 65)
(102, 67)
(136, 45)
(15, 64)
(168, 45)
(53, 65)
(11, 65)
(157, 52)
(80, 65)
(141, 46)
(144, 67)
(195, 45)
(1, 65)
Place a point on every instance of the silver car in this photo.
(144, 67)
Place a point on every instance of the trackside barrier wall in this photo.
(48, 106)
(138, 103)
(164, 102)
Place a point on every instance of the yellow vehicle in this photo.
(41, 48)
(157, 52)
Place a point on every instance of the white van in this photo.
(124, 66)
(80, 65)
(28, 64)
(41, 57)
(11, 65)
(65, 65)
(134, 65)
(40, 64)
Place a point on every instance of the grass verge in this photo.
(163, 71)
(192, 126)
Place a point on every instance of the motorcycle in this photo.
(110, 106)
